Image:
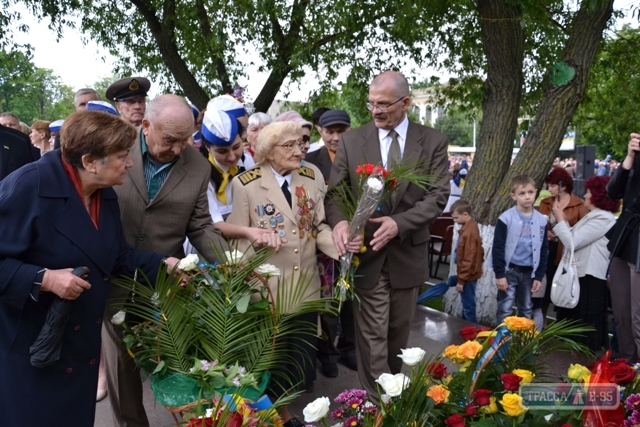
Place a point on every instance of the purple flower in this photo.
(205, 365)
(342, 397)
(359, 394)
(337, 414)
(352, 422)
(354, 403)
(632, 402)
(370, 408)
(236, 381)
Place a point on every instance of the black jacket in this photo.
(623, 237)
(15, 151)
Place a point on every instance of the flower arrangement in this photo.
(485, 389)
(215, 330)
(375, 185)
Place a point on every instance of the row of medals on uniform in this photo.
(267, 215)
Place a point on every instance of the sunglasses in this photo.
(306, 138)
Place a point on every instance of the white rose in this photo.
(118, 318)
(393, 384)
(375, 184)
(188, 263)
(316, 410)
(268, 270)
(234, 256)
(412, 356)
(385, 398)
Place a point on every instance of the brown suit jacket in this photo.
(258, 187)
(406, 254)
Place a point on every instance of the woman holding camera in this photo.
(623, 245)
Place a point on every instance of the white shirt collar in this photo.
(385, 140)
(281, 178)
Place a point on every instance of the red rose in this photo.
(455, 421)
(566, 425)
(369, 168)
(619, 361)
(359, 170)
(482, 396)
(510, 382)
(437, 370)
(469, 333)
(471, 410)
(622, 374)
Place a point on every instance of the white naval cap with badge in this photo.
(102, 106)
(228, 104)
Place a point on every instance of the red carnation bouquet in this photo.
(376, 185)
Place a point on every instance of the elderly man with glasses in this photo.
(393, 268)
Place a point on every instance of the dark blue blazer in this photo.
(15, 151)
(43, 223)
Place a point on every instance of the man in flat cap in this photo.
(130, 96)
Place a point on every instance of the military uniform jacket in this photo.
(258, 201)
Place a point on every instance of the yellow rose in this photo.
(468, 350)
(450, 352)
(512, 405)
(355, 261)
(515, 323)
(439, 394)
(527, 376)
(579, 373)
(491, 408)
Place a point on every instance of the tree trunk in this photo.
(271, 88)
(559, 102)
(503, 43)
(486, 291)
(489, 181)
(164, 35)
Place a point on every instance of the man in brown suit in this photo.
(393, 268)
(163, 200)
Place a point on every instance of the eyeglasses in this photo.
(382, 107)
(292, 145)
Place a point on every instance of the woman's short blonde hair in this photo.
(271, 135)
(96, 134)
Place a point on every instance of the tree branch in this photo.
(207, 32)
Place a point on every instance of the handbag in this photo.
(565, 288)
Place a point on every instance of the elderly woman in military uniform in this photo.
(223, 147)
(281, 195)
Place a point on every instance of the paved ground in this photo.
(431, 330)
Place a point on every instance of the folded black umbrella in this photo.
(46, 350)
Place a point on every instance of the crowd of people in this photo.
(137, 184)
(159, 179)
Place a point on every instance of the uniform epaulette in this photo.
(308, 172)
(249, 175)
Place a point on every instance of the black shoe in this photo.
(293, 422)
(349, 362)
(329, 370)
